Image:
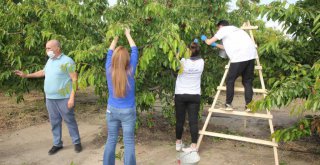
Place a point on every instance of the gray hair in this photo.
(55, 42)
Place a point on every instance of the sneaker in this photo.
(247, 109)
(78, 148)
(190, 149)
(228, 107)
(179, 146)
(54, 150)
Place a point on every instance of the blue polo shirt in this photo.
(57, 82)
(129, 100)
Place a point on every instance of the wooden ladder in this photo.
(268, 115)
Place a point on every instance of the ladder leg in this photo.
(207, 119)
(212, 106)
(276, 159)
(245, 122)
(275, 150)
(203, 129)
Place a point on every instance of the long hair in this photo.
(120, 68)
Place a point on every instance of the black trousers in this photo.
(187, 103)
(246, 70)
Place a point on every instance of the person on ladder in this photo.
(242, 52)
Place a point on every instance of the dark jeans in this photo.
(246, 70)
(187, 103)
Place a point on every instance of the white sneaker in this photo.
(179, 146)
(190, 149)
(248, 110)
(228, 107)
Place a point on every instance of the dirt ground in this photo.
(25, 137)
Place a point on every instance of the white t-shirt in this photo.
(237, 44)
(189, 81)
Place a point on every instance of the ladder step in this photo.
(239, 89)
(241, 113)
(256, 67)
(239, 138)
(249, 27)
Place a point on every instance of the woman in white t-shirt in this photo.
(187, 96)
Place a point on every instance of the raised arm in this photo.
(130, 40)
(37, 74)
(114, 43)
(134, 51)
(209, 41)
(110, 52)
(212, 41)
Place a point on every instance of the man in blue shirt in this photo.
(59, 86)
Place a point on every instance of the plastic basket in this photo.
(223, 53)
(188, 158)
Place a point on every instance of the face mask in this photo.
(50, 54)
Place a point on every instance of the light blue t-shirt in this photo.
(57, 82)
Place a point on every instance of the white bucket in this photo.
(188, 158)
(223, 53)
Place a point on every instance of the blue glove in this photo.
(196, 40)
(203, 37)
(214, 44)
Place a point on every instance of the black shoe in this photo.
(54, 150)
(78, 148)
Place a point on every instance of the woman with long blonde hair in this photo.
(121, 111)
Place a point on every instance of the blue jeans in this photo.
(116, 118)
(58, 110)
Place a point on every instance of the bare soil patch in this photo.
(26, 137)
